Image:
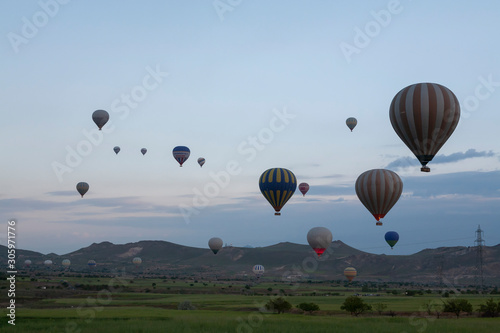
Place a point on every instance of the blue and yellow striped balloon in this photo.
(277, 185)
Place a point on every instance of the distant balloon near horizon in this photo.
(258, 270)
(100, 118)
(351, 123)
(424, 115)
(201, 161)
(27, 263)
(137, 261)
(277, 185)
(319, 238)
(303, 188)
(82, 188)
(350, 273)
(48, 262)
(66, 262)
(116, 149)
(379, 190)
(181, 154)
(144, 151)
(91, 263)
(391, 237)
(215, 244)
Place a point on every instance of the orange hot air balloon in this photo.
(350, 273)
(424, 115)
(303, 188)
(379, 190)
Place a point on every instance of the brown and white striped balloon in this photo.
(424, 115)
(379, 190)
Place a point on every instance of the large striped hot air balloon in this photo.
(100, 118)
(391, 237)
(215, 244)
(351, 123)
(379, 190)
(181, 154)
(258, 270)
(277, 185)
(424, 115)
(320, 239)
(350, 273)
(82, 188)
(303, 188)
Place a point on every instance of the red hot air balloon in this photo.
(424, 115)
(303, 188)
(379, 190)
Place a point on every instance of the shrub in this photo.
(186, 305)
(456, 306)
(355, 305)
(490, 308)
(308, 307)
(278, 304)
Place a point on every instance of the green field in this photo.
(103, 304)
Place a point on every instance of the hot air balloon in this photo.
(91, 263)
(320, 239)
(424, 115)
(181, 154)
(47, 263)
(391, 237)
(350, 273)
(215, 244)
(258, 270)
(66, 262)
(303, 188)
(100, 118)
(27, 263)
(137, 261)
(144, 151)
(277, 185)
(82, 188)
(201, 161)
(379, 190)
(351, 123)
(116, 149)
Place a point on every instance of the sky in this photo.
(248, 85)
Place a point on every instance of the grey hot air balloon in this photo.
(144, 151)
(47, 263)
(424, 115)
(215, 244)
(379, 190)
(116, 149)
(351, 123)
(27, 263)
(82, 188)
(100, 118)
(320, 239)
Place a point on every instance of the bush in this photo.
(490, 309)
(380, 307)
(355, 305)
(308, 307)
(186, 305)
(278, 304)
(456, 306)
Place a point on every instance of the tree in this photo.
(278, 304)
(355, 305)
(380, 307)
(456, 306)
(490, 309)
(308, 307)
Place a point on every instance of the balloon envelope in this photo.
(137, 261)
(215, 244)
(100, 118)
(424, 115)
(27, 262)
(379, 190)
(201, 161)
(303, 188)
(116, 149)
(391, 237)
(181, 154)
(91, 263)
(258, 269)
(350, 273)
(144, 151)
(66, 262)
(319, 238)
(47, 262)
(277, 185)
(351, 123)
(82, 188)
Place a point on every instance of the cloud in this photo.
(407, 161)
(62, 193)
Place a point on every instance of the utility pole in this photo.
(479, 244)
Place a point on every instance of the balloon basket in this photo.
(277, 214)
(379, 223)
(425, 169)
